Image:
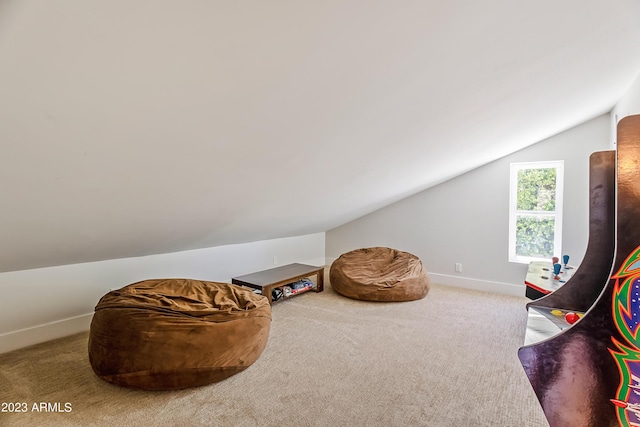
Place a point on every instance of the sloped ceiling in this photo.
(139, 127)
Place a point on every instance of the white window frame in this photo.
(514, 213)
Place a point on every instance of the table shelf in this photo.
(268, 280)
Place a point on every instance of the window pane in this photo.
(535, 236)
(537, 190)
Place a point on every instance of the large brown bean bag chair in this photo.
(379, 274)
(169, 334)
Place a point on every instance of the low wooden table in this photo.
(267, 280)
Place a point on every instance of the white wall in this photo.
(47, 303)
(628, 105)
(465, 220)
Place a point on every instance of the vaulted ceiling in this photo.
(139, 127)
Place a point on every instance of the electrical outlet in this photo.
(275, 260)
(458, 267)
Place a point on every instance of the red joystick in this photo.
(571, 317)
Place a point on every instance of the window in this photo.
(535, 211)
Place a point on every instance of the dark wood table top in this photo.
(277, 274)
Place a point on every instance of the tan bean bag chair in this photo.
(379, 274)
(170, 334)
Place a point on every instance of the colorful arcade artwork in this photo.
(626, 314)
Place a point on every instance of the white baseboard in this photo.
(314, 261)
(329, 260)
(477, 284)
(29, 336)
(467, 283)
(37, 334)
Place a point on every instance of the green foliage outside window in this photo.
(537, 189)
(535, 236)
(536, 193)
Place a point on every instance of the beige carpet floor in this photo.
(447, 360)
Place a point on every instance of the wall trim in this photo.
(478, 284)
(49, 331)
(467, 283)
(46, 332)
